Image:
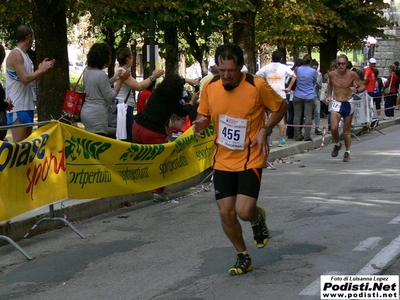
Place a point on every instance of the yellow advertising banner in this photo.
(32, 172)
(60, 161)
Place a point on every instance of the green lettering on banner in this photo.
(134, 174)
(184, 143)
(205, 154)
(83, 178)
(173, 165)
(94, 148)
(139, 152)
(91, 149)
(209, 131)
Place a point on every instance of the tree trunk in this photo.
(51, 42)
(244, 35)
(328, 52)
(109, 34)
(197, 51)
(145, 63)
(171, 50)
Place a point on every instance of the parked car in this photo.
(76, 67)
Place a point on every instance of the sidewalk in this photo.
(296, 147)
(77, 210)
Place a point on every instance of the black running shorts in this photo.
(227, 184)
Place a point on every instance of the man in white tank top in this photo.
(21, 81)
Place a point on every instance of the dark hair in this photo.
(298, 62)
(376, 71)
(99, 56)
(276, 56)
(229, 52)
(122, 54)
(214, 70)
(333, 65)
(396, 63)
(170, 89)
(151, 86)
(314, 63)
(2, 54)
(23, 31)
(343, 56)
(349, 65)
(307, 59)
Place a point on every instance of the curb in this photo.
(78, 210)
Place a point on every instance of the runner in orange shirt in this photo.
(235, 103)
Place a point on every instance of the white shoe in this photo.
(159, 197)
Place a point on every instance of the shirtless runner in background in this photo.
(343, 83)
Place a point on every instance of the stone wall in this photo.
(388, 51)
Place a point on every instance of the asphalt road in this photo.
(325, 217)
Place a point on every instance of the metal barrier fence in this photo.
(51, 206)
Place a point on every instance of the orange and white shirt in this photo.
(276, 74)
(238, 115)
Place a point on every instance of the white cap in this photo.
(372, 60)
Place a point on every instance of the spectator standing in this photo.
(99, 93)
(21, 82)
(304, 98)
(275, 73)
(369, 77)
(5, 104)
(342, 84)
(390, 100)
(125, 60)
(150, 124)
(214, 71)
(289, 100)
(397, 71)
(235, 103)
(317, 89)
(143, 97)
(377, 95)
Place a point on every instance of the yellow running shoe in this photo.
(242, 265)
(260, 230)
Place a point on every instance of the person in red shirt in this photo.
(144, 95)
(369, 77)
(390, 99)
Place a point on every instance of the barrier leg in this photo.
(53, 218)
(354, 135)
(26, 254)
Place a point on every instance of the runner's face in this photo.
(342, 64)
(31, 39)
(230, 74)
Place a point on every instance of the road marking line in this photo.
(314, 288)
(373, 267)
(382, 259)
(395, 220)
(368, 244)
